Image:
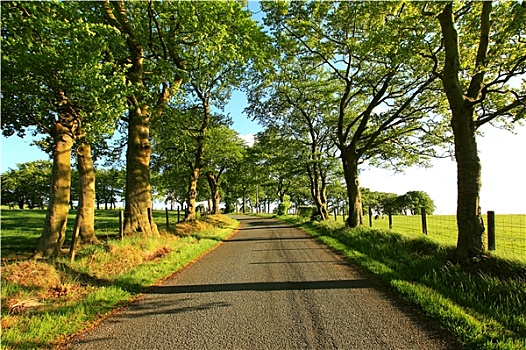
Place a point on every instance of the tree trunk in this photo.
(350, 171)
(192, 195)
(138, 191)
(282, 190)
(86, 207)
(324, 212)
(244, 201)
(318, 190)
(470, 241)
(54, 231)
(214, 191)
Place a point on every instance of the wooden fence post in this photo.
(491, 230)
(370, 217)
(76, 230)
(335, 214)
(390, 215)
(167, 219)
(343, 212)
(424, 220)
(121, 223)
(178, 214)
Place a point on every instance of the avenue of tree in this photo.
(338, 86)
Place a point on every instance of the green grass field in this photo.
(21, 229)
(510, 231)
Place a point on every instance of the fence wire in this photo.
(510, 231)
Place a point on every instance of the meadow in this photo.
(510, 231)
(21, 229)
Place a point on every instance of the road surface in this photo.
(269, 286)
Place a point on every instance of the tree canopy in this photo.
(337, 86)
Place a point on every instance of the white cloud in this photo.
(248, 138)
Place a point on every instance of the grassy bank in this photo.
(483, 303)
(44, 303)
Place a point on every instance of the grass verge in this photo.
(483, 302)
(45, 303)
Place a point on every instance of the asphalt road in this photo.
(269, 286)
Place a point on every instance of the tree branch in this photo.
(475, 86)
(487, 118)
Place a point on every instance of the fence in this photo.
(170, 216)
(505, 234)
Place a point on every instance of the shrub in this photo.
(283, 207)
(306, 211)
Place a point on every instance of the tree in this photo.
(375, 83)
(170, 179)
(278, 154)
(87, 198)
(336, 196)
(214, 67)
(58, 81)
(415, 200)
(150, 49)
(289, 99)
(483, 61)
(109, 185)
(381, 202)
(27, 185)
(240, 181)
(225, 150)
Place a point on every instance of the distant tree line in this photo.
(27, 186)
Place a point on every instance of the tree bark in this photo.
(324, 212)
(350, 171)
(86, 206)
(470, 241)
(192, 195)
(282, 189)
(197, 164)
(244, 209)
(214, 191)
(138, 190)
(54, 231)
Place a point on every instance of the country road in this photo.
(270, 286)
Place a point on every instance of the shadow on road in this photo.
(280, 238)
(263, 286)
(298, 262)
(259, 227)
(287, 249)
